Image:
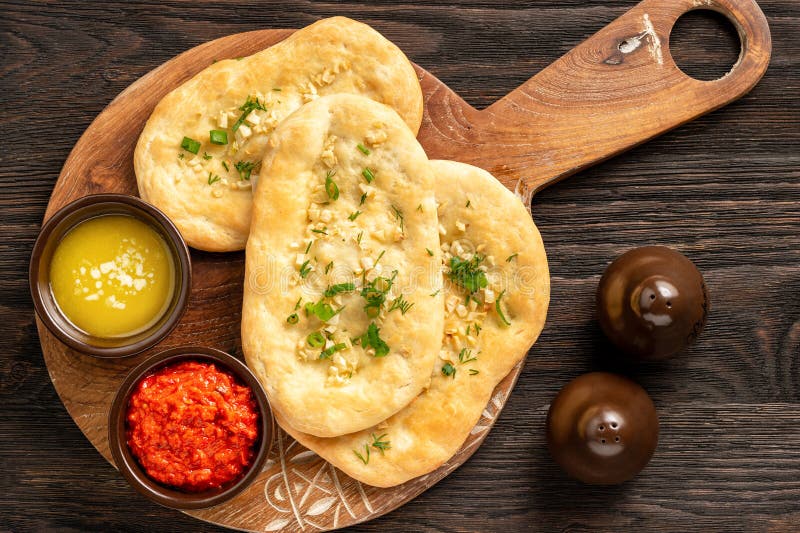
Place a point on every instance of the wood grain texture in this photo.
(615, 90)
(725, 190)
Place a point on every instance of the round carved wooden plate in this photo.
(296, 490)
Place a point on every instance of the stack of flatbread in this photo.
(385, 294)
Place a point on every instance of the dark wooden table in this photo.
(724, 190)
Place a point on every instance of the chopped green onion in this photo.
(354, 215)
(367, 173)
(328, 352)
(321, 310)
(315, 340)
(363, 149)
(218, 137)
(449, 370)
(330, 186)
(375, 293)
(363, 199)
(333, 290)
(293, 318)
(511, 257)
(190, 145)
(500, 310)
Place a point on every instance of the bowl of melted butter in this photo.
(110, 275)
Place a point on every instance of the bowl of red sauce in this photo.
(190, 427)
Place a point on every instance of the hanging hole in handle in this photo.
(705, 44)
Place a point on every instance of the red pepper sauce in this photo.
(192, 426)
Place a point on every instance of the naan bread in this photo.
(366, 227)
(477, 212)
(210, 203)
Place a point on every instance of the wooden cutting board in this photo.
(612, 92)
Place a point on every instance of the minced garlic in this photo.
(328, 156)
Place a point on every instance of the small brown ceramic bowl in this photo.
(39, 274)
(135, 474)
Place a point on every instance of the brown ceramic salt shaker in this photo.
(652, 302)
(602, 428)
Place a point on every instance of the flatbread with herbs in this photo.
(342, 316)
(486, 230)
(202, 146)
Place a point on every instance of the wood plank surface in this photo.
(725, 190)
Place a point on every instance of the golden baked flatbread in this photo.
(208, 193)
(479, 349)
(342, 315)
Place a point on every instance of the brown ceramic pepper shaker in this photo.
(602, 428)
(652, 302)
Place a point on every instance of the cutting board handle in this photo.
(616, 90)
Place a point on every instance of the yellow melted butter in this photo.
(112, 276)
